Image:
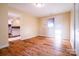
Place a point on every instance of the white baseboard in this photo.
(28, 37)
(46, 36)
(3, 46)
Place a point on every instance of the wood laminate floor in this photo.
(39, 46)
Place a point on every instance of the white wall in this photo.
(72, 28)
(28, 23)
(3, 25)
(62, 23)
(77, 28)
(29, 27)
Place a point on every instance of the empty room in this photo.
(39, 29)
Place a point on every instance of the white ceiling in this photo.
(48, 9)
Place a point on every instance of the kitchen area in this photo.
(13, 27)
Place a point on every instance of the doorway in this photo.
(13, 27)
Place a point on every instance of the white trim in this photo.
(28, 37)
(15, 38)
(3, 46)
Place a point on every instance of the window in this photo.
(51, 22)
